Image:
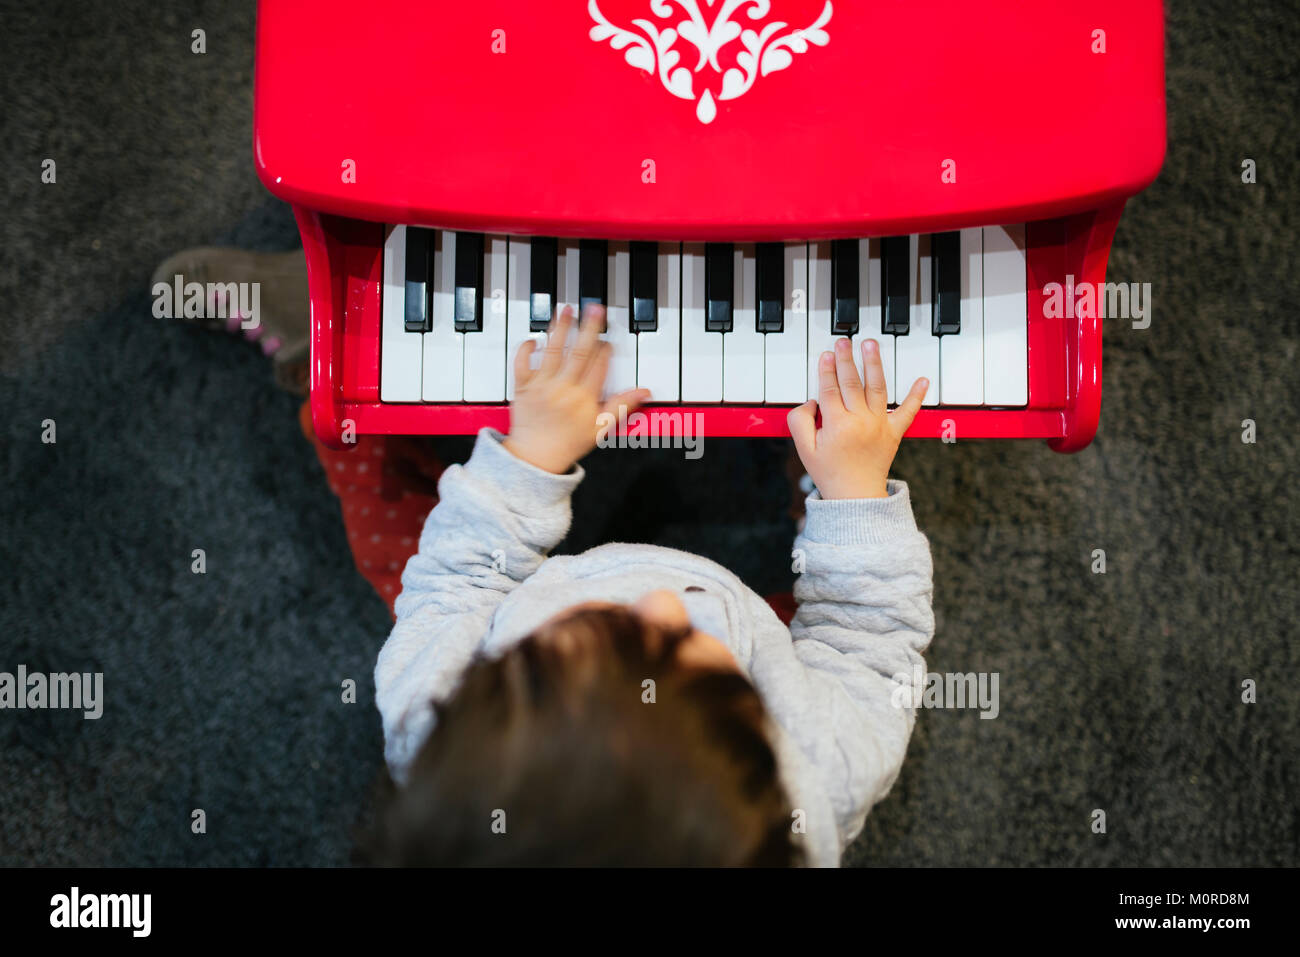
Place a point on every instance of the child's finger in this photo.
(593, 376)
(553, 356)
(901, 418)
(877, 394)
(802, 421)
(846, 371)
(586, 350)
(631, 400)
(524, 362)
(828, 386)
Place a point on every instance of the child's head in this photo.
(611, 735)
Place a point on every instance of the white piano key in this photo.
(1006, 331)
(444, 347)
(401, 353)
(657, 353)
(870, 313)
(566, 276)
(518, 307)
(742, 348)
(567, 260)
(701, 350)
(618, 317)
(917, 353)
(820, 308)
(485, 352)
(961, 357)
(785, 353)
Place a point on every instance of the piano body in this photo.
(739, 181)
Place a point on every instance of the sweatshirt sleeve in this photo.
(496, 519)
(863, 620)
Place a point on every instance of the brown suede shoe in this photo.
(283, 311)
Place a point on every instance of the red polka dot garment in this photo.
(386, 486)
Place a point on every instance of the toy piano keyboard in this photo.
(738, 182)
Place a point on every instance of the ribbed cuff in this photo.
(860, 521)
(521, 481)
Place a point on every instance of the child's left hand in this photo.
(553, 415)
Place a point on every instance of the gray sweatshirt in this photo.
(482, 581)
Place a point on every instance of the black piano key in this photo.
(769, 268)
(593, 273)
(419, 246)
(644, 267)
(844, 287)
(541, 283)
(719, 286)
(469, 282)
(945, 273)
(894, 295)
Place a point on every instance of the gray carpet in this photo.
(1119, 691)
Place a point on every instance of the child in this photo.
(636, 704)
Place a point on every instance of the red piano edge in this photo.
(343, 267)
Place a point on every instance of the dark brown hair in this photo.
(556, 741)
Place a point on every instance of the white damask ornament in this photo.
(767, 48)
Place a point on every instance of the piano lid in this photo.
(708, 119)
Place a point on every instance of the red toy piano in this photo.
(738, 182)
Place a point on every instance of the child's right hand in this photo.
(850, 455)
(554, 418)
